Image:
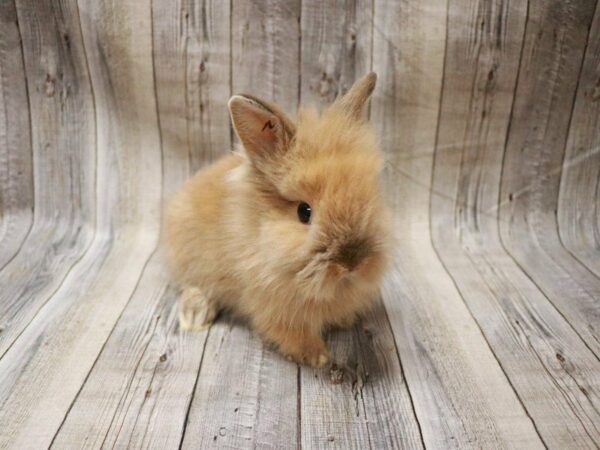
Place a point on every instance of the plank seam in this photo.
(355, 330)
(158, 121)
(231, 133)
(502, 166)
(410, 396)
(189, 406)
(356, 339)
(299, 407)
(136, 369)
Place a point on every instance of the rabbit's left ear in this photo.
(353, 101)
(264, 129)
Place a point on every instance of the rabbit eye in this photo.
(304, 211)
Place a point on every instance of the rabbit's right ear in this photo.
(263, 128)
(353, 101)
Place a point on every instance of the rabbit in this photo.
(290, 231)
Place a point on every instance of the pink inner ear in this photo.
(268, 131)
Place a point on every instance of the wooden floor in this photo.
(487, 334)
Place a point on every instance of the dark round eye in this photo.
(304, 211)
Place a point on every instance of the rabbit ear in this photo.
(353, 101)
(263, 127)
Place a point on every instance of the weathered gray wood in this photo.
(578, 208)
(192, 64)
(535, 346)
(16, 173)
(62, 131)
(266, 44)
(553, 47)
(45, 368)
(460, 395)
(246, 394)
(336, 47)
(138, 393)
(485, 338)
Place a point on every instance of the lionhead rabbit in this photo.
(289, 232)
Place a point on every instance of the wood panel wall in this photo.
(488, 330)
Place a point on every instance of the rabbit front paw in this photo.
(299, 346)
(196, 311)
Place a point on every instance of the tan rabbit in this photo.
(291, 231)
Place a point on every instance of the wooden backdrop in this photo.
(489, 112)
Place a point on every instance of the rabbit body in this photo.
(289, 232)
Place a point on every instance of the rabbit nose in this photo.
(351, 253)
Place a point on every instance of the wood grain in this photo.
(138, 393)
(62, 131)
(578, 210)
(266, 43)
(543, 358)
(554, 47)
(246, 394)
(361, 400)
(336, 47)
(460, 394)
(16, 172)
(192, 69)
(486, 335)
(46, 367)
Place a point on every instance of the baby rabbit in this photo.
(289, 232)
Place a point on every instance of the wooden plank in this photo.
(44, 369)
(349, 405)
(578, 206)
(554, 47)
(261, 409)
(16, 174)
(460, 395)
(335, 48)
(265, 50)
(63, 145)
(138, 393)
(539, 352)
(62, 121)
(246, 394)
(192, 58)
